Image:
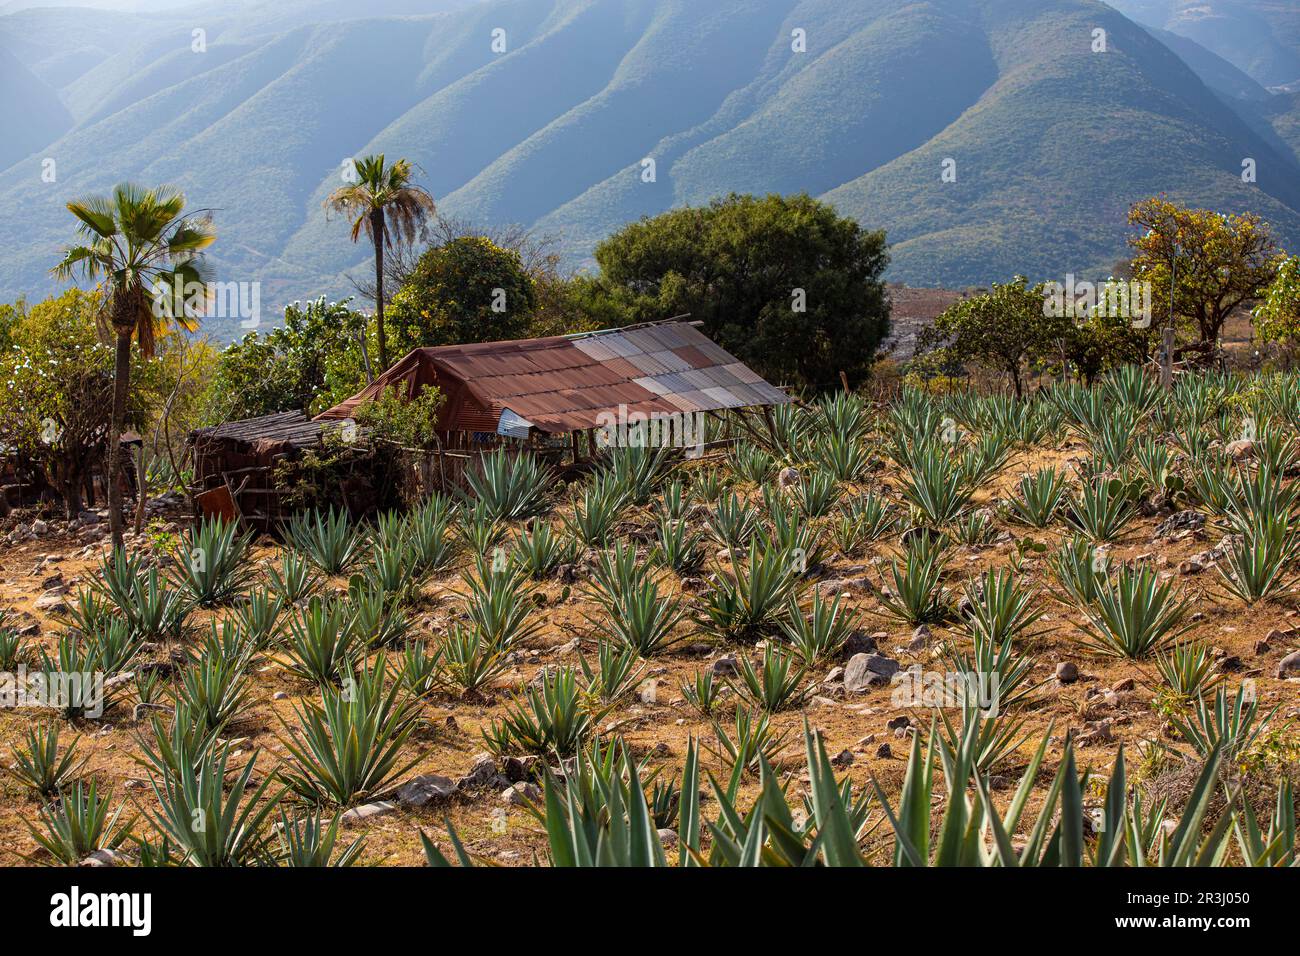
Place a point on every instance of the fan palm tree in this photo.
(144, 252)
(383, 202)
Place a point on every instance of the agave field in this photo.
(954, 630)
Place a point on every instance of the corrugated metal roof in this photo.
(293, 427)
(567, 383)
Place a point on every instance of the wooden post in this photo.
(577, 452)
(844, 380)
(1167, 360)
(771, 424)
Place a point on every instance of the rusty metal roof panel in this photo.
(564, 383)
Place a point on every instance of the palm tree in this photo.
(144, 252)
(383, 202)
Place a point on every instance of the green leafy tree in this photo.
(56, 390)
(1277, 318)
(144, 251)
(312, 362)
(410, 423)
(1004, 329)
(783, 282)
(385, 204)
(466, 290)
(1212, 262)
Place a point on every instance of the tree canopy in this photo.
(783, 282)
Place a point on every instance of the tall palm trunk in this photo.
(121, 385)
(377, 230)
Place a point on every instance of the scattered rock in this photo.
(884, 752)
(843, 759)
(725, 666)
(1190, 566)
(860, 643)
(788, 477)
(1127, 684)
(1067, 672)
(103, 858)
(667, 838)
(423, 790)
(521, 794)
(1241, 449)
(369, 811)
(482, 773)
(1289, 665)
(865, 671)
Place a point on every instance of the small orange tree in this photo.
(1222, 260)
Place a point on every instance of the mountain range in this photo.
(988, 137)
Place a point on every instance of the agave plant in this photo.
(817, 494)
(429, 545)
(541, 550)
(601, 815)
(320, 645)
(753, 464)
(213, 562)
(1189, 671)
(294, 580)
(751, 740)
(702, 692)
(776, 684)
(468, 660)
(874, 516)
(500, 606)
(306, 841)
(732, 522)
(823, 631)
(13, 649)
(673, 503)
(916, 594)
(597, 511)
(1228, 726)
(328, 541)
(215, 689)
(478, 529)
(1277, 846)
(510, 486)
(708, 485)
(752, 600)
(1080, 570)
(1135, 615)
(935, 487)
(375, 616)
(1039, 497)
(212, 820)
(80, 823)
(350, 746)
(677, 547)
(993, 676)
(76, 662)
(638, 470)
(640, 617)
(421, 669)
(258, 616)
(41, 767)
(153, 611)
(616, 673)
(842, 457)
(1256, 565)
(793, 532)
(1101, 509)
(550, 718)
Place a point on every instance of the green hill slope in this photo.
(1051, 141)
